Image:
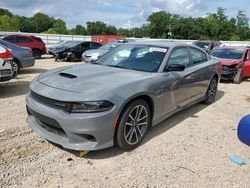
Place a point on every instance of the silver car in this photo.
(116, 100)
(6, 65)
(90, 56)
(23, 56)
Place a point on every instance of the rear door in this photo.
(81, 48)
(191, 84)
(246, 67)
(181, 85)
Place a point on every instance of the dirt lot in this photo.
(190, 149)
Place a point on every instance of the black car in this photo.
(72, 50)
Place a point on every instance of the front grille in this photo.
(87, 56)
(66, 106)
(228, 69)
(47, 123)
(5, 73)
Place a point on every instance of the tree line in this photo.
(214, 26)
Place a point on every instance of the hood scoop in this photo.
(67, 75)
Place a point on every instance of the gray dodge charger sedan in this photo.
(116, 100)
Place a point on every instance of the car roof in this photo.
(210, 41)
(233, 47)
(163, 43)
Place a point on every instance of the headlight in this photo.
(90, 107)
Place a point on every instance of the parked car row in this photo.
(14, 57)
(35, 43)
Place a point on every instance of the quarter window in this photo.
(197, 56)
(11, 38)
(179, 56)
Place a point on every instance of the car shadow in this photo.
(16, 88)
(32, 71)
(155, 131)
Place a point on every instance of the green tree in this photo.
(8, 23)
(40, 22)
(242, 24)
(78, 30)
(5, 12)
(59, 27)
(159, 24)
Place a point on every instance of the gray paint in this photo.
(20, 53)
(169, 91)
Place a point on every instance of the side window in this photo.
(198, 56)
(247, 55)
(95, 45)
(10, 39)
(86, 45)
(22, 39)
(179, 56)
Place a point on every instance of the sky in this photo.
(125, 13)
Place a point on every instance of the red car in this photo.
(235, 62)
(35, 43)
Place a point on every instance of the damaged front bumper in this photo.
(228, 72)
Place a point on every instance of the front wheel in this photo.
(211, 91)
(133, 125)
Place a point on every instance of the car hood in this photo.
(95, 51)
(229, 62)
(86, 77)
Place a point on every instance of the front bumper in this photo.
(228, 73)
(83, 131)
(89, 59)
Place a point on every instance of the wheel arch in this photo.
(18, 62)
(144, 96)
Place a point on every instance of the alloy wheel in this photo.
(212, 90)
(136, 124)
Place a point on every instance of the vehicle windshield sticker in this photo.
(155, 49)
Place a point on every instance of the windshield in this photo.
(203, 45)
(227, 53)
(62, 43)
(135, 57)
(71, 44)
(108, 46)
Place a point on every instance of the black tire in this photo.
(130, 133)
(211, 91)
(37, 54)
(16, 66)
(238, 76)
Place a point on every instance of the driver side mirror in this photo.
(175, 67)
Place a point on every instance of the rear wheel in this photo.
(16, 66)
(133, 126)
(211, 91)
(37, 54)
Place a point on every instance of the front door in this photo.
(246, 67)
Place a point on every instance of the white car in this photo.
(7, 71)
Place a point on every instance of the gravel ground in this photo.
(190, 149)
